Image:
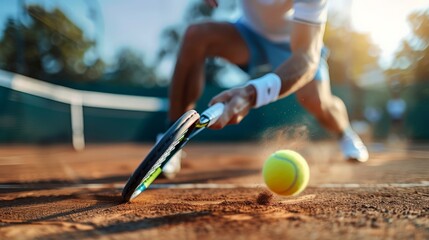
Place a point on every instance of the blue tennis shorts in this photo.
(266, 55)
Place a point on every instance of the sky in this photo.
(138, 23)
(386, 21)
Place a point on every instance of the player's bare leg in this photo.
(201, 41)
(330, 111)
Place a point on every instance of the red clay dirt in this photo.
(53, 192)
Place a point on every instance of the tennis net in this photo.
(75, 101)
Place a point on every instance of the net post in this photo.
(78, 136)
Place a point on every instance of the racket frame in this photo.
(174, 139)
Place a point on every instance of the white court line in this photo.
(377, 185)
(213, 185)
(203, 186)
(10, 162)
(328, 185)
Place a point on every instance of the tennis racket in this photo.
(175, 138)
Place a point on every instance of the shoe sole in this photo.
(355, 160)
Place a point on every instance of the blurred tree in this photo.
(130, 69)
(198, 11)
(411, 61)
(51, 47)
(8, 47)
(351, 53)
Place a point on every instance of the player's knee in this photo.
(196, 34)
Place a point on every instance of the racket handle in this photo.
(212, 114)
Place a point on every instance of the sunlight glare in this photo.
(385, 21)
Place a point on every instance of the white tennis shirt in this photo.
(272, 18)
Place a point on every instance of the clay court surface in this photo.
(53, 192)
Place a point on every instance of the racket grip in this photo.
(213, 113)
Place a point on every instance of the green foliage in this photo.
(351, 53)
(49, 47)
(199, 10)
(411, 62)
(130, 69)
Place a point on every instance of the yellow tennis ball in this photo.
(286, 173)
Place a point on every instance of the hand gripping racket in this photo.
(175, 138)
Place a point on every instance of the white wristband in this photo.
(267, 89)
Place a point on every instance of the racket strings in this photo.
(164, 156)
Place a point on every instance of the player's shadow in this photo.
(57, 184)
(103, 201)
(102, 197)
(130, 226)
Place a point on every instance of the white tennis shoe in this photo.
(353, 147)
(173, 166)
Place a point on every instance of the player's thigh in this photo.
(315, 95)
(219, 39)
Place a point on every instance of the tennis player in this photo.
(284, 37)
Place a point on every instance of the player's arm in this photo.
(294, 73)
(306, 44)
